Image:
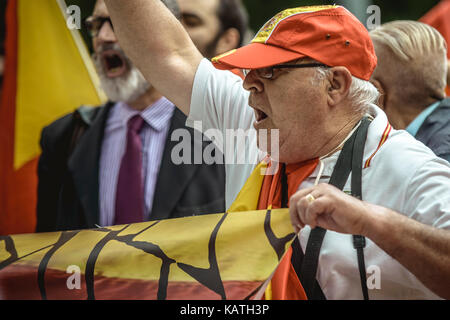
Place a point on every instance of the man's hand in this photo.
(422, 249)
(330, 208)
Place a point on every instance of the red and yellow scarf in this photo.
(262, 192)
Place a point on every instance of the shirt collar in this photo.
(156, 115)
(414, 126)
(379, 131)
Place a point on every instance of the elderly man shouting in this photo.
(307, 73)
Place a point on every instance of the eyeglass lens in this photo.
(94, 25)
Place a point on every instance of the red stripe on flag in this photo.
(17, 188)
(20, 282)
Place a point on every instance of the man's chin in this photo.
(123, 88)
(268, 141)
(114, 88)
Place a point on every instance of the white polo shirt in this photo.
(399, 173)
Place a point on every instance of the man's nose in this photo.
(252, 82)
(106, 33)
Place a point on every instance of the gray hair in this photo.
(420, 54)
(361, 94)
(410, 39)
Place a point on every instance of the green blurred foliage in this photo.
(262, 10)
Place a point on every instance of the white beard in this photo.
(126, 88)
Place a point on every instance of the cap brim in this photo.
(254, 56)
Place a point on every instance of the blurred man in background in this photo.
(439, 18)
(412, 75)
(215, 26)
(112, 164)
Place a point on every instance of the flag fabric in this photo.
(48, 73)
(215, 256)
(439, 18)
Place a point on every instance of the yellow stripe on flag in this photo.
(235, 251)
(53, 76)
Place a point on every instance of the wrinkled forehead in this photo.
(100, 9)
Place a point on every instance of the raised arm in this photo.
(158, 45)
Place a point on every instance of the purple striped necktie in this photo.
(130, 186)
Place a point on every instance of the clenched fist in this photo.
(328, 207)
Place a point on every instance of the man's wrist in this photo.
(376, 222)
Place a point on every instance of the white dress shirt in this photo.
(153, 134)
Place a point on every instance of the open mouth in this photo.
(113, 63)
(260, 115)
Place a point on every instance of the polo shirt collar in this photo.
(379, 132)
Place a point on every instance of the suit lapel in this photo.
(84, 165)
(172, 179)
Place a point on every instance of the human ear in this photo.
(338, 86)
(228, 41)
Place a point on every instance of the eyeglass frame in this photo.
(89, 22)
(269, 75)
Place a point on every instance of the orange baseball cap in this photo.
(328, 34)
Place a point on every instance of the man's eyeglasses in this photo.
(95, 24)
(267, 73)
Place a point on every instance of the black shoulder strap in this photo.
(309, 266)
(359, 242)
(350, 159)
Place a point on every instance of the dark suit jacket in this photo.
(435, 130)
(68, 189)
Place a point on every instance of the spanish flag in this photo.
(439, 18)
(48, 73)
(207, 257)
